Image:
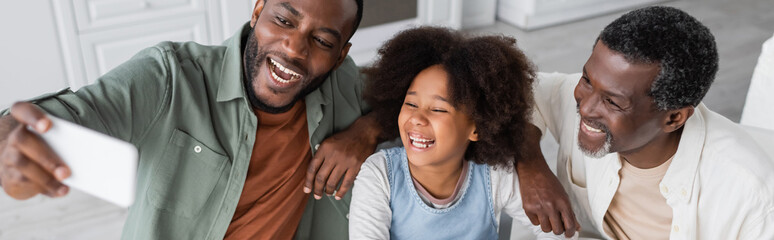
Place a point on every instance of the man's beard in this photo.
(254, 57)
(598, 153)
(604, 149)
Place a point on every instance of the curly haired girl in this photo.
(462, 107)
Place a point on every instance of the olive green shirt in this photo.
(172, 97)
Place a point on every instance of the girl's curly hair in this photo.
(489, 78)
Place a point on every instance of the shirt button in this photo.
(675, 228)
(684, 192)
(198, 149)
(347, 215)
(316, 146)
(664, 189)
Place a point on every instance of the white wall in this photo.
(51, 44)
(30, 60)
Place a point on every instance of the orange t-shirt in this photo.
(273, 200)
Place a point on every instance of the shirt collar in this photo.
(322, 94)
(681, 175)
(231, 76)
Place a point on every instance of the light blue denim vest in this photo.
(471, 217)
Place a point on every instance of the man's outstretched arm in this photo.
(28, 166)
(545, 201)
(340, 156)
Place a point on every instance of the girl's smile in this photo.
(419, 142)
(433, 131)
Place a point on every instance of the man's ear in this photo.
(473, 135)
(344, 52)
(256, 12)
(675, 119)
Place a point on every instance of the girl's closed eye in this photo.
(411, 105)
(440, 110)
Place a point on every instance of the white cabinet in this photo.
(454, 14)
(97, 35)
(440, 12)
(532, 14)
(95, 14)
(478, 13)
(367, 40)
(107, 49)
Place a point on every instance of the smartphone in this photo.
(101, 165)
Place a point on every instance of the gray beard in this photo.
(598, 153)
(602, 151)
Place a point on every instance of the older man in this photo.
(640, 154)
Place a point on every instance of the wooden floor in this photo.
(740, 27)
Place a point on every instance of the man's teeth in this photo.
(282, 80)
(421, 142)
(293, 75)
(591, 128)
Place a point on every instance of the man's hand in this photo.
(543, 197)
(340, 156)
(545, 201)
(28, 166)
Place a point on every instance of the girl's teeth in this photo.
(421, 142)
(420, 139)
(420, 145)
